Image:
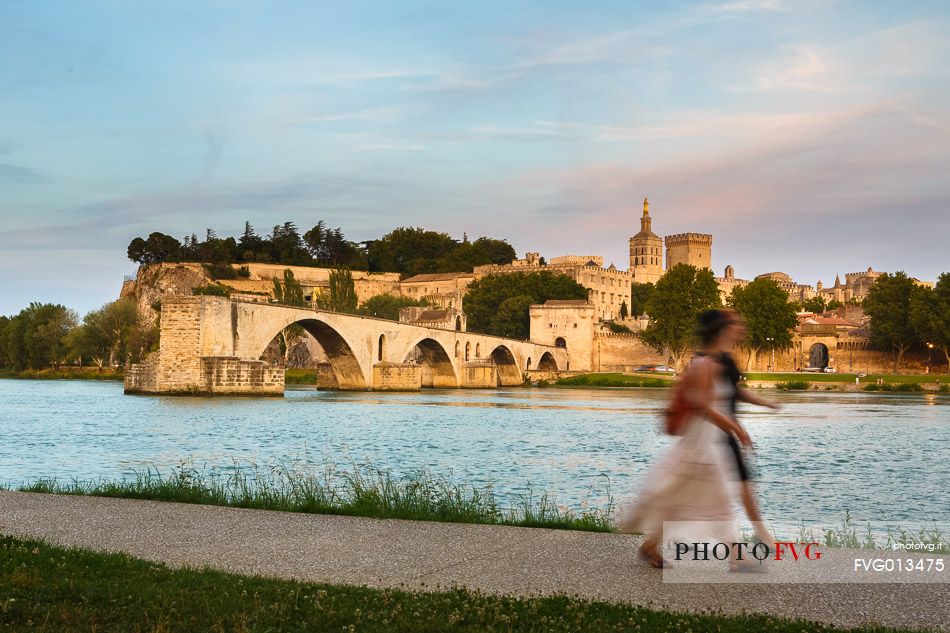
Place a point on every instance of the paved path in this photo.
(378, 553)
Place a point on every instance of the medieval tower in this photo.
(694, 249)
(646, 251)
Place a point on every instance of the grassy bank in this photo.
(374, 493)
(47, 588)
(360, 491)
(72, 373)
(293, 376)
(896, 379)
(614, 380)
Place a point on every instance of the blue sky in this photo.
(811, 137)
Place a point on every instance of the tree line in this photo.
(50, 335)
(408, 251)
(903, 315)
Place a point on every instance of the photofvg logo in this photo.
(719, 552)
(742, 551)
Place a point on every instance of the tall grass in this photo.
(793, 385)
(361, 491)
(847, 534)
(612, 380)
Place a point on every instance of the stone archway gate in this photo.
(213, 345)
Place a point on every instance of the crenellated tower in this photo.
(646, 251)
(694, 249)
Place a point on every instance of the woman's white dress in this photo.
(692, 482)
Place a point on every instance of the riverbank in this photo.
(789, 381)
(63, 373)
(330, 572)
(361, 491)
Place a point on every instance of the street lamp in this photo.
(930, 353)
(769, 340)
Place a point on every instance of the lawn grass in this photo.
(822, 377)
(48, 588)
(615, 380)
(361, 491)
(300, 376)
(71, 373)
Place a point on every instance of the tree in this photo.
(623, 310)
(157, 248)
(768, 315)
(36, 337)
(341, 295)
(675, 303)
(290, 292)
(498, 304)
(816, 304)
(409, 251)
(888, 304)
(388, 306)
(639, 298)
(287, 247)
(930, 315)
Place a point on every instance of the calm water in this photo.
(885, 458)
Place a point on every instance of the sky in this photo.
(811, 137)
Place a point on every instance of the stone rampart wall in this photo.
(623, 352)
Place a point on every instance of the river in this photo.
(884, 458)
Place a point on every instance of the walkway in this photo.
(518, 561)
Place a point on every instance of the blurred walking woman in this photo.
(692, 482)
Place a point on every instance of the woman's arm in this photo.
(700, 397)
(747, 396)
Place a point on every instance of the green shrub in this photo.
(793, 385)
(944, 389)
(221, 270)
(618, 328)
(212, 290)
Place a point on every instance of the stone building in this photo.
(568, 324)
(694, 249)
(442, 318)
(444, 290)
(646, 251)
(796, 292)
(608, 288)
(728, 282)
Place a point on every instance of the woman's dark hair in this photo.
(711, 325)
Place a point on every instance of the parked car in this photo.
(830, 370)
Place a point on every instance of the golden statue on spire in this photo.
(646, 207)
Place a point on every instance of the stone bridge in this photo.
(214, 345)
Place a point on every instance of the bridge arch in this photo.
(437, 367)
(347, 371)
(506, 366)
(547, 362)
